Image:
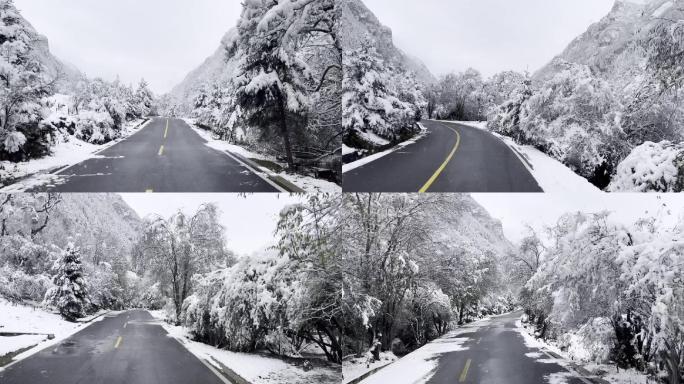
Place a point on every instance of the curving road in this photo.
(451, 158)
(487, 352)
(125, 349)
(164, 156)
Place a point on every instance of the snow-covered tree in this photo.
(271, 90)
(70, 294)
(23, 83)
(179, 247)
(378, 99)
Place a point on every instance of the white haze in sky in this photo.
(540, 211)
(250, 220)
(488, 35)
(160, 40)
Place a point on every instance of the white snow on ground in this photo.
(551, 174)
(359, 366)
(308, 184)
(11, 344)
(254, 368)
(663, 8)
(420, 365)
(25, 319)
(475, 124)
(65, 153)
(367, 160)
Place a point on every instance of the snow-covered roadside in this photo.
(307, 183)
(419, 366)
(605, 372)
(369, 159)
(37, 172)
(24, 319)
(356, 367)
(256, 369)
(550, 173)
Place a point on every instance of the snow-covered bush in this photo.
(70, 294)
(17, 286)
(651, 167)
(593, 342)
(574, 117)
(95, 127)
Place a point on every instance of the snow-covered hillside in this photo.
(215, 69)
(359, 26)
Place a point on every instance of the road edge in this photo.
(51, 342)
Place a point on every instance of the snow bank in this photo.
(66, 152)
(356, 367)
(651, 167)
(25, 319)
(419, 366)
(254, 368)
(307, 183)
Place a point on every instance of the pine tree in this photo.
(272, 91)
(22, 79)
(144, 98)
(70, 294)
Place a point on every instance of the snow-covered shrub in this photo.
(574, 117)
(70, 294)
(16, 285)
(592, 343)
(104, 288)
(95, 127)
(152, 298)
(651, 167)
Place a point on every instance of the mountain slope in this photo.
(89, 220)
(214, 69)
(359, 26)
(68, 74)
(612, 47)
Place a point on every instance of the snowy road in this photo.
(452, 158)
(486, 352)
(128, 349)
(165, 156)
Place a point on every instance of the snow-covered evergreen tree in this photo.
(271, 90)
(70, 294)
(23, 83)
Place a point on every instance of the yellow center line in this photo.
(149, 190)
(166, 131)
(118, 342)
(125, 324)
(464, 374)
(441, 169)
(161, 150)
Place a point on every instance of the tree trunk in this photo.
(285, 133)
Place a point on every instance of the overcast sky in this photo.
(250, 220)
(488, 35)
(160, 40)
(542, 210)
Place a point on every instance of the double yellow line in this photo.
(441, 169)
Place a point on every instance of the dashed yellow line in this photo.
(464, 374)
(166, 131)
(149, 190)
(441, 169)
(118, 342)
(161, 151)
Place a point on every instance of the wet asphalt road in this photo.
(481, 162)
(488, 352)
(140, 164)
(128, 348)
